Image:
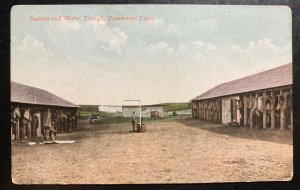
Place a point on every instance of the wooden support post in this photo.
(23, 128)
(220, 110)
(203, 110)
(251, 112)
(264, 111)
(39, 129)
(272, 110)
(59, 126)
(291, 107)
(18, 129)
(292, 119)
(207, 110)
(265, 120)
(200, 109)
(246, 104)
(282, 113)
(255, 107)
(215, 111)
(29, 129)
(282, 120)
(195, 109)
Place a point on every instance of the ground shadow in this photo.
(275, 136)
(87, 130)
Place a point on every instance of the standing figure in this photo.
(52, 131)
(133, 121)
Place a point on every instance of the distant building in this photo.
(146, 110)
(110, 108)
(33, 108)
(263, 100)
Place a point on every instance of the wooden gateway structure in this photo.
(261, 100)
(32, 109)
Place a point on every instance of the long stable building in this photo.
(261, 100)
(32, 109)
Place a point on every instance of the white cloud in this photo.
(173, 29)
(91, 36)
(211, 47)
(61, 28)
(158, 22)
(234, 47)
(71, 25)
(160, 48)
(113, 38)
(260, 51)
(198, 44)
(37, 65)
(263, 44)
(208, 65)
(96, 24)
(30, 42)
(29, 50)
(160, 26)
(178, 29)
(197, 64)
(211, 64)
(177, 52)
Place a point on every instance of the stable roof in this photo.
(21, 93)
(276, 77)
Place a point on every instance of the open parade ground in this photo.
(173, 150)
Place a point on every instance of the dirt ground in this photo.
(179, 150)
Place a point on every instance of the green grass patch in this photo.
(113, 120)
(177, 106)
(88, 114)
(88, 108)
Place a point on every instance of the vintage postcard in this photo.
(146, 94)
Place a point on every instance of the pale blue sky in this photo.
(185, 51)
